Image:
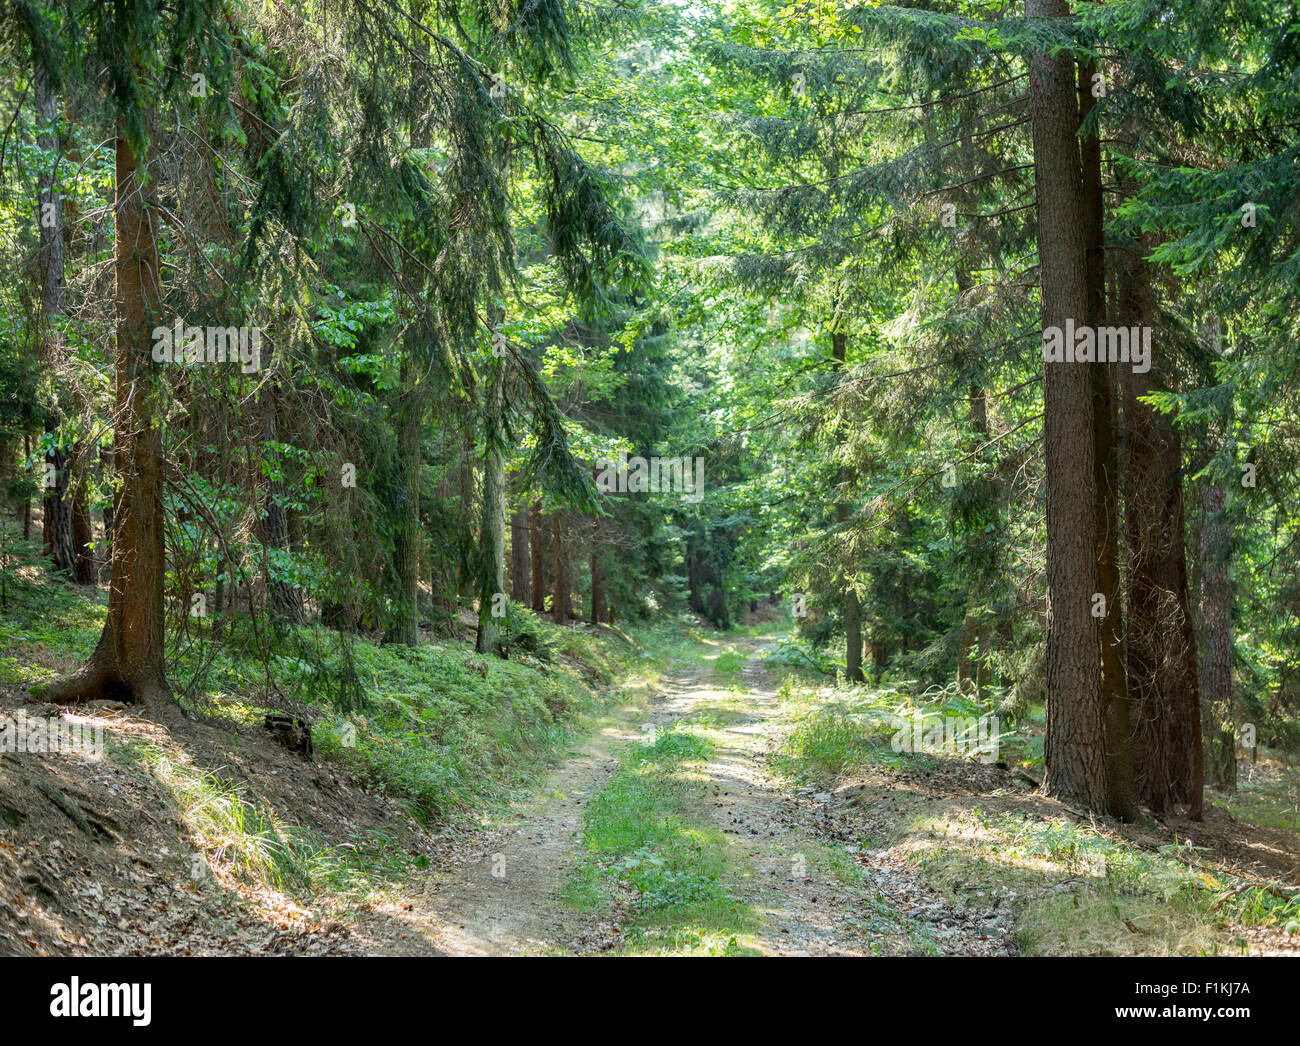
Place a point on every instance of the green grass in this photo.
(647, 834)
(233, 832)
(1077, 891)
(45, 628)
(1270, 799)
(445, 728)
(727, 665)
(836, 731)
(1073, 890)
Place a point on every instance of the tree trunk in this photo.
(849, 595)
(1121, 788)
(597, 575)
(1121, 785)
(128, 662)
(83, 534)
(57, 528)
(1074, 751)
(1216, 656)
(535, 546)
(519, 588)
(494, 511)
(972, 667)
(27, 502)
(1161, 645)
(853, 637)
(693, 599)
(283, 599)
(404, 628)
(967, 662)
(560, 587)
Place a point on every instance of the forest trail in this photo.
(462, 908)
(796, 866)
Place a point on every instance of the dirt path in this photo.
(818, 891)
(498, 889)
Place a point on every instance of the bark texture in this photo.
(1074, 751)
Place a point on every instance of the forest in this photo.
(617, 477)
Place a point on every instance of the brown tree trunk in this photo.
(57, 526)
(519, 588)
(83, 534)
(983, 665)
(467, 584)
(1161, 645)
(972, 661)
(128, 662)
(27, 502)
(852, 607)
(1074, 751)
(1121, 788)
(56, 529)
(493, 529)
(968, 662)
(283, 599)
(560, 586)
(853, 637)
(1216, 656)
(404, 628)
(693, 599)
(536, 539)
(597, 575)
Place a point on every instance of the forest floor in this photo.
(731, 810)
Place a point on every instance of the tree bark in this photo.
(283, 599)
(1121, 786)
(494, 511)
(83, 534)
(406, 545)
(27, 502)
(1074, 751)
(971, 667)
(849, 595)
(597, 575)
(1216, 656)
(128, 662)
(536, 541)
(560, 587)
(57, 529)
(853, 637)
(519, 587)
(1161, 644)
(57, 525)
